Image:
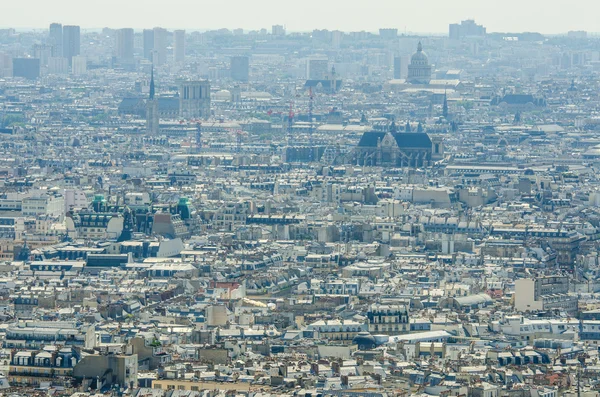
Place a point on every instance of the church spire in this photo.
(419, 47)
(152, 84)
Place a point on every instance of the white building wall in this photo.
(525, 295)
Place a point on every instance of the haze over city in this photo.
(299, 199)
(425, 16)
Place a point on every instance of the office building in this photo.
(397, 67)
(58, 65)
(466, 28)
(71, 42)
(240, 68)
(544, 293)
(388, 34)
(278, 30)
(55, 39)
(401, 63)
(28, 68)
(79, 65)
(42, 52)
(5, 65)
(194, 99)
(336, 38)
(159, 51)
(317, 69)
(179, 45)
(124, 45)
(577, 34)
(148, 39)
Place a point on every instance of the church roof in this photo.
(326, 84)
(131, 104)
(519, 99)
(413, 140)
(406, 140)
(370, 139)
(168, 103)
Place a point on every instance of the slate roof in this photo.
(326, 84)
(519, 99)
(406, 140)
(168, 104)
(370, 139)
(131, 105)
(413, 140)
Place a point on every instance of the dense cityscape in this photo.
(276, 213)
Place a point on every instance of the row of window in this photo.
(179, 387)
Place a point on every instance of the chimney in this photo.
(335, 367)
(283, 370)
(344, 379)
(314, 368)
(377, 378)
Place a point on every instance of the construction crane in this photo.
(310, 125)
(198, 136)
(290, 122)
(238, 136)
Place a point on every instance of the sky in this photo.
(425, 16)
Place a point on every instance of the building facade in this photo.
(194, 99)
(179, 45)
(240, 68)
(397, 149)
(71, 42)
(124, 45)
(387, 319)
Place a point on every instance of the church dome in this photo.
(419, 58)
(419, 70)
(223, 95)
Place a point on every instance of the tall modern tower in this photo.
(159, 53)
(124, 45)
(397, 67)
(317, 69)
(240, 68)
(152, 120)
(148, 43)
(55, 39)
(179, 45)
(71, 42)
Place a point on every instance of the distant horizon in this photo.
(549, 17)
(85, 29)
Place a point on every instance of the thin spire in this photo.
(419, 47)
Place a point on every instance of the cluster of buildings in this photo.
(268, 213)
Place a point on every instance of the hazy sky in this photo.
(545, 16)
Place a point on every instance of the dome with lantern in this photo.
(419, 70)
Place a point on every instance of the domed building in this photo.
(419, 70)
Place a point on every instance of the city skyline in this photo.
(429, 16)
